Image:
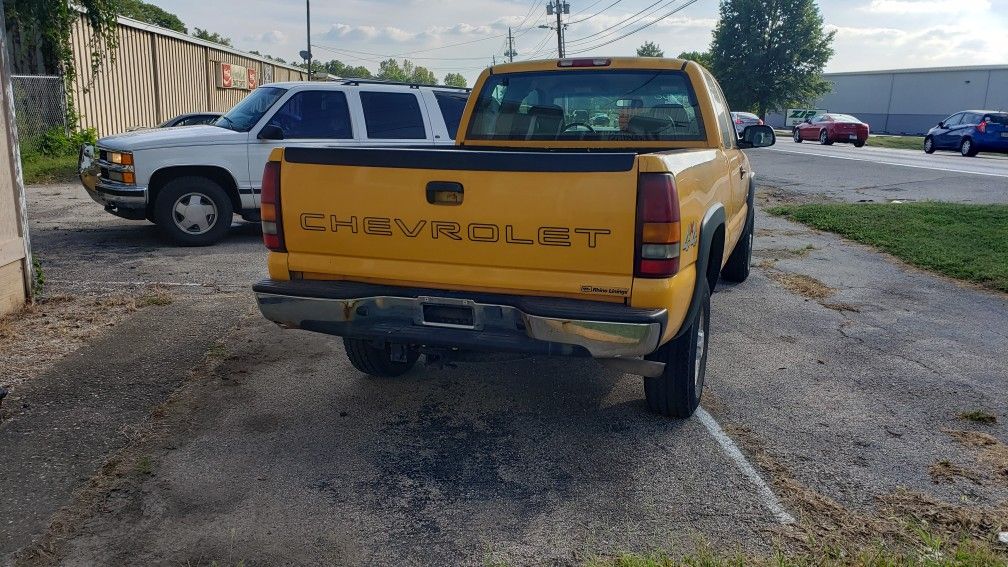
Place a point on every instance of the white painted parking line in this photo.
(770, 499)
(933, 168)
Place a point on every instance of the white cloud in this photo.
(930, 46)
(271, 37)
(902, 7)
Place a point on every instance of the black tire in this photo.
(677, 392)
(824, 138)
(967, 148)
(375, 360)
(929, 147)
(736, 269)
(796, 136)
(214, 218)
(859, 144)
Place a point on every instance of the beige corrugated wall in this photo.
(156, 75)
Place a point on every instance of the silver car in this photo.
(743, 119)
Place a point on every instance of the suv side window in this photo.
(393, 116)
(313, 115)
(452, 105)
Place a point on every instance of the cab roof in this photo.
(613, 63)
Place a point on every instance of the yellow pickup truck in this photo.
(542, 230)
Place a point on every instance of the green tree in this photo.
(341, 69)
(454, 80)
(770, 54)
(139, 10)
(701, 57)
(215, 37)
(423, 76)
(650, 49)
(390, 70)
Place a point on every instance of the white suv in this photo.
(191, 180)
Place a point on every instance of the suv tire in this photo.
(967, 148)
(736, 269)
(193, 211)
(677, 392)
(824, 138)
(377, 360)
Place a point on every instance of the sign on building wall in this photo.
(233, 76)
(267, 77)
(796, 116)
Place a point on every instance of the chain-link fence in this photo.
(40, 106)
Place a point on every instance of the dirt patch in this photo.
(768, 196)
(979, 416)
(945, 472)
(803, 285)
(900, 519)
(841, 307)
(993, 452)
(41, 333)
(784, 253)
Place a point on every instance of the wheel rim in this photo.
(822, 137)
(194, 213)
(700, 349)
(796, 135)
(749, 249)
(927, 145)
(966, 146)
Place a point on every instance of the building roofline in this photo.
(921, 70)
(130, 22)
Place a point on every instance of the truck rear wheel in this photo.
(193, 211)
(676, 393)
(376, 359)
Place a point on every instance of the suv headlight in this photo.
(121, 158)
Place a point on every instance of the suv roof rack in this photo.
(358, 82)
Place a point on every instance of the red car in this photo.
(831, 127)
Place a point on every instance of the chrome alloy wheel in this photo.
(194, 213)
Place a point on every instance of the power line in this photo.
(342, 49)
(595, 14)
(625, 22)
(645, 26)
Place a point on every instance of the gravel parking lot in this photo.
(194, 431)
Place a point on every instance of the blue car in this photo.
(970, 132)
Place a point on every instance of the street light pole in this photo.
(308, 22)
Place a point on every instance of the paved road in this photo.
(843, 172)
(838, 374)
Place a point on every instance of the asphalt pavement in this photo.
(845, 173)
(835, 385)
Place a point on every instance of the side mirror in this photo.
(757, 136)
(808, 120)
(271, 132)
(941, 124)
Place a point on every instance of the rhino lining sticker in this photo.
(605, 290)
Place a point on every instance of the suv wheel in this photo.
(967, 148)
(193, 211)
(676, 393)
(929, 145)
(824, 138)
(376, 359)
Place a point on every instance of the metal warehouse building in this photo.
(910, 101)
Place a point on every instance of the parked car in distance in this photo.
(600, 119)
(191, 181)
(832, 127)
(743, 119)
(970, 132)
(191, 119)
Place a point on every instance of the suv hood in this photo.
(171, 137)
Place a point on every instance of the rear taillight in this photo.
(982, 126)
(269, 208)
(657, 254)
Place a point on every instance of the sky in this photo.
(464, 36)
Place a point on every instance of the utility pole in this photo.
(510, 52)
(558, 7)
(308, 22)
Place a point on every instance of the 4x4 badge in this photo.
(692, 235)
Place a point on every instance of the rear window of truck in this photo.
(642, 105)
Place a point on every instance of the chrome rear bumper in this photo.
(489, 322)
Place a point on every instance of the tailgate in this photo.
(512, 222)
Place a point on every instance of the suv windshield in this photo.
(645, 105)
(247, 113)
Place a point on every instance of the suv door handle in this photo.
(445, 193)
